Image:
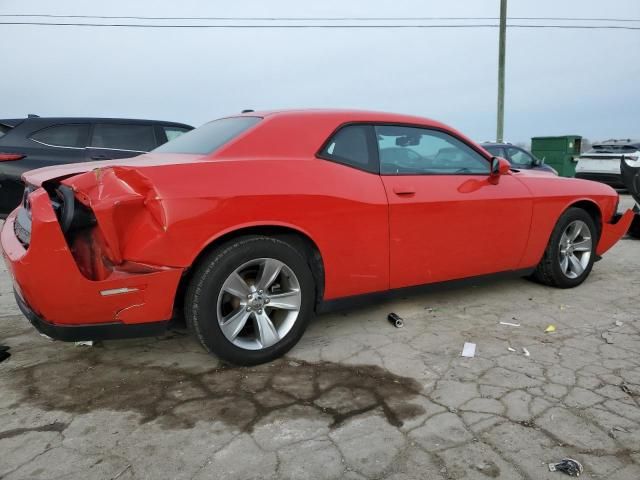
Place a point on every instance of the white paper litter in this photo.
(510, 324)
(526, 352)
(511, 349)
(469, 349)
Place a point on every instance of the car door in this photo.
(448, 218)
(120, 140)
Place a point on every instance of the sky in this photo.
(558, 82)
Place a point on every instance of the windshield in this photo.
(209, 137)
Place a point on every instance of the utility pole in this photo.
(501, 48)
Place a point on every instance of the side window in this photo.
(173, 132)
(71, 135)
(519, 157)
(139, 138)
(420, 151)
(496, 151)
(351, 145)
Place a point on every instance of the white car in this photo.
(630, 172)
(602, 162)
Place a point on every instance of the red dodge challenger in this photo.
(250, 224)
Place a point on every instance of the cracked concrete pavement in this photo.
(355, 399)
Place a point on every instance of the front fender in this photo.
(614, 231)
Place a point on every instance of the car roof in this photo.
(61, 120)
(349, 115)
(621, 142)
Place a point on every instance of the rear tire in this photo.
(570, 253)
(250, 300)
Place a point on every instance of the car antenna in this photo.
(33, 115)
(247, 110)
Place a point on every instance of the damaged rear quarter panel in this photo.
(167, 215)
(123, 201)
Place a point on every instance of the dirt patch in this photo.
(237, 396)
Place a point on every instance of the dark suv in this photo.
(518, 157)
(34, 142)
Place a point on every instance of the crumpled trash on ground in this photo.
(550, 329)
(571, 467)
(4, 352)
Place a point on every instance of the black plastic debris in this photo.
(395, 320)
(4, 352)
(571, 467)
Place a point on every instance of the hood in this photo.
(533, 172)
(38, 176)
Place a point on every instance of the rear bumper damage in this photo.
(60, 299)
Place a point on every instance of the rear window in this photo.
(138, 138)
(174, 132)
(71, 135)
(3, 130)
(210, 136)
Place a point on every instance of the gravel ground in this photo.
(355, 399)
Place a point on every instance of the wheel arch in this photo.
(296, 237)
(592, 208)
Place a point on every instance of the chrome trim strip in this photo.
(116, 149)
(117, 291)
(88, 147)
(56, 146)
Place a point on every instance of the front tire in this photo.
(250, 300)
(570, 253)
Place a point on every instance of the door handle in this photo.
(404, 190)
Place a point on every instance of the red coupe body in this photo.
(155, 215)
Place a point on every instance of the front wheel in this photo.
(570, 253)
(251, 300)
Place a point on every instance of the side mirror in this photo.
(499, 166)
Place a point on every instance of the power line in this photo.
(322, 26)
(304, 19)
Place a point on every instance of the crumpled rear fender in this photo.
(121, 199)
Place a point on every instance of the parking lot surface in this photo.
(356, 398)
